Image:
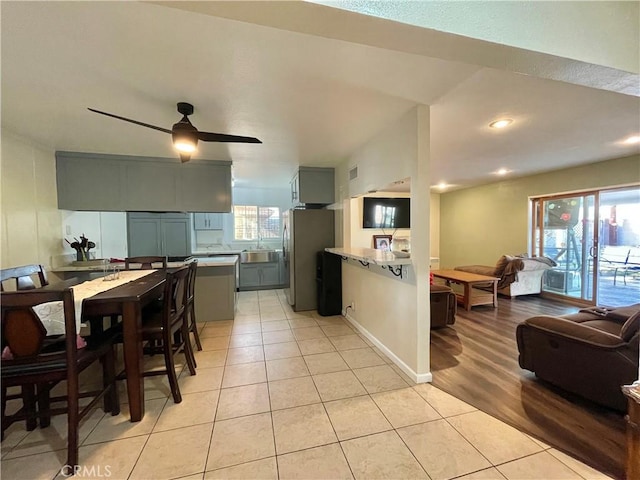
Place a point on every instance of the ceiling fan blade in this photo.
(131, 121)
(221, 137)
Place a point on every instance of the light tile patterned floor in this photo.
(280, 394)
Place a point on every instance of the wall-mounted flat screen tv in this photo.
(380, 212)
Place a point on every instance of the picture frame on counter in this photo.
(382, 242)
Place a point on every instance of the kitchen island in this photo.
(216, 283)
(216, 286)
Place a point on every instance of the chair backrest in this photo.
(191, 282)
(175, 298)
(146, 263)
(23, 277)
(24, 333)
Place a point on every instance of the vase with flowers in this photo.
(81, 247)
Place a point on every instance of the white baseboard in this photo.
(418, 378)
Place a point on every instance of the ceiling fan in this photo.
(185, 135)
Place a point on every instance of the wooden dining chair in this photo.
(166, 331)
(191, 309)
(146, 263)
(22, 277)
(32, 363)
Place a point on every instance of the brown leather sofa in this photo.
(443, 306)
(591, 353)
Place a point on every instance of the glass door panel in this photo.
(618, 272)
(566, 235)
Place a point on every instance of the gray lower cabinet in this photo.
(259, 275)
(215, 293)
(158, 234)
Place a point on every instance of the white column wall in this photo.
(396, 313)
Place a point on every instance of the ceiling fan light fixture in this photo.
(185, 136)
(184, 145)
(502, 123)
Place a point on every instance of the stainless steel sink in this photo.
(258, 256)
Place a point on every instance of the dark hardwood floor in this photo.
(476, 360)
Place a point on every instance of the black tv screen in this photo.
(386, 212)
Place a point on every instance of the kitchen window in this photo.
(251, 222)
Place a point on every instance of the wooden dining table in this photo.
(127, 301)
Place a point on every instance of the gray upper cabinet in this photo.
(313, 185)
(151, 187)
(205, 186)
(97, 182)
(208, 221)
(89, 186)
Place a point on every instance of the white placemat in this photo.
(52, 315)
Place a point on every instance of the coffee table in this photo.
(471, 296)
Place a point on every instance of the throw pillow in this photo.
(630, 327)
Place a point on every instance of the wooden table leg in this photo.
(495, 294)
(132, 345)
(467, 296)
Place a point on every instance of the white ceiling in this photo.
(311, 99)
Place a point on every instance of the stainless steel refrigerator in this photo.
(305, 233)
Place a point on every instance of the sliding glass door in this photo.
(565, 233)
(591, 236)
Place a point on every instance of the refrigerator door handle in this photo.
(284, 246)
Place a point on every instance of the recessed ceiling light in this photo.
(502, 171)
(631, 140)
(505, 122)
(442, 185)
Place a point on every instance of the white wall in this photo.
(108, 230)
(386, 158)
(30, 215)
(385, 312)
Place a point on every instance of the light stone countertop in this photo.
(370, 255)
(222, 261)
